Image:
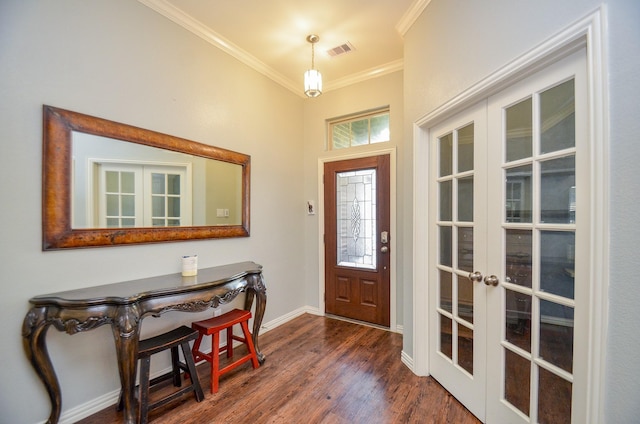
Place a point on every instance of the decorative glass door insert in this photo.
(356, 218)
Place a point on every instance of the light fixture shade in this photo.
(312, 83)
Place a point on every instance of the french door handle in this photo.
(476, 276)
(491, 280)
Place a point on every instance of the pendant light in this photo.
(312, 77)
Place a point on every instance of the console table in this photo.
(123, 306)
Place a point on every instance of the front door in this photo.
(509, 242)
(357, 239)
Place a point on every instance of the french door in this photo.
(508, 240)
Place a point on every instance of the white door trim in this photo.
(588, 32)
(393, 323)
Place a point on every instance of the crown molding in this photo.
(196, 27)
(367, 74)
(414, 11)
(201, 30)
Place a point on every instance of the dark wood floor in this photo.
(318, 370)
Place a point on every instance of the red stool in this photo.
(213, 326)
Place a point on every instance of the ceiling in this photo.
(270, 36)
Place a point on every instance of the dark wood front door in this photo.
(357, 239)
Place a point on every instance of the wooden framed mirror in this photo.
(106, 183)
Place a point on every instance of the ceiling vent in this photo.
(341, 49)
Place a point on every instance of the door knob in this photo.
(476, 276)
(384, 249)
(491, 280)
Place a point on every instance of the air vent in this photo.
(341, 49)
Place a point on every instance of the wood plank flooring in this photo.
(318, 370)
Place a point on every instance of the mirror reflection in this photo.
(106, 183)
(118, 184)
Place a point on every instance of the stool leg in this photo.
(196, 348)
(215, 362)
(177, 381)
(144, 390)
(230, 342)
(249, 342)
(191, 366)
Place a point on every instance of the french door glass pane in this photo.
(158, 183)
(173, 207)
(518, 193)
(445, 200)
(557, 190)
(518, 257)
(173, 184)
(356, 219)
(446, 155)
(445, 336)
(465, 299)
(557, 262)
(557, 118)
(445, 246)
(112, 179)
(465, 348)
(445, 291)
(517, 374)
(128, 205)
(465, 199)
(465, 148)
(113, 205)
(518, 319)
(554, 398)
(128, 182)
(519, 130)
(556, 334)
(157, 205)
(465, 249)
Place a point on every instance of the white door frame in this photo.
(393, 324)
(589, 33)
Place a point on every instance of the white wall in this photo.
(457, 43)
(119, 60)
(382, 91)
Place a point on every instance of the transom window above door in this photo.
(359, 129)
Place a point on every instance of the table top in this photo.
(127, 292)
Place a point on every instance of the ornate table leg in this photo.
(34, 330)
(126, 333)
(257, 288)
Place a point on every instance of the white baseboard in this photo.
(288, 317)
(407, 360)
(86, 409)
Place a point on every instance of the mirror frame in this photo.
(57, 231)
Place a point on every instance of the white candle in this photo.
(190, 265)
